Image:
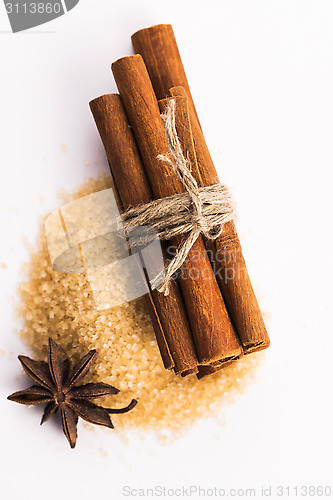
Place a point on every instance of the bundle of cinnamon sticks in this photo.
(211, 317)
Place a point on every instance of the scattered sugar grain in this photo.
(60, 306)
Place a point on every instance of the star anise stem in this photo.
(123, 410)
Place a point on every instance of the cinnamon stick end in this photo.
(192, 371)
(125, 59)
(256, 347)
(154, 28)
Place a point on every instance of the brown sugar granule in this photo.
(61, 306)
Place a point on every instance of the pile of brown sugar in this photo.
(61, 306)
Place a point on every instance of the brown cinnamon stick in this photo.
(184, 132)
(211, 328)
(168, 313)
(158, 47)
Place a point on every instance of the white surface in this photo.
(261, 73)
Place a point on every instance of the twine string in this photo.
(196, 211)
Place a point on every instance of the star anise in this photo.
(56, 387)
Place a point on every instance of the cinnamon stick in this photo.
(212, 331)
(158, 47)
(184, 132)
(168, 313)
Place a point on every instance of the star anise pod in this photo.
(56, 387)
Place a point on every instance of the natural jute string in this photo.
(196, 211)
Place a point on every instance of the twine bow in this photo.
(196, 211)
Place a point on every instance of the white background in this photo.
(261, 73)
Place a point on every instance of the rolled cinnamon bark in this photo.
(184, 132)
(212, 331)
(168, 313)
(158, 47)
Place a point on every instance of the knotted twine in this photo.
(196, 211)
